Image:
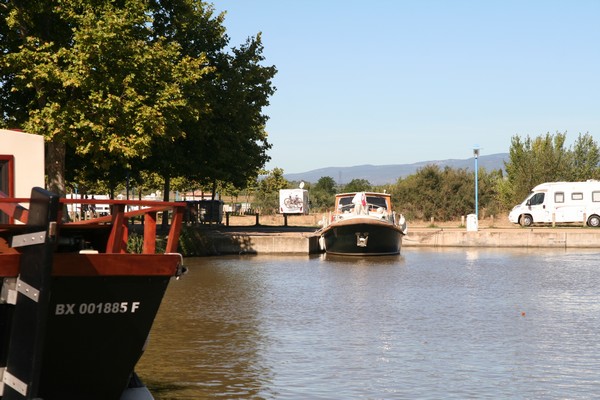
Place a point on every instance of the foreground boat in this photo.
(76, 308)
(363, 224)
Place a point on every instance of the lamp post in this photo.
(476, 154)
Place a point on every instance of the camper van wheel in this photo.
(593, 221)
(526, 220)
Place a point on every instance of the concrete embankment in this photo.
(509, 237)
(263, 243)
(301, 240)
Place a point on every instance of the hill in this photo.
(383, 174)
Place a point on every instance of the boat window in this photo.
(376, 201)
(577, 196)
(559, 197)
(595, 196)
(345, 203)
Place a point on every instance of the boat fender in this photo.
(139, 393)
(322, 243)
(136, 390)
(402, 223)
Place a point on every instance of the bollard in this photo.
(257, 222)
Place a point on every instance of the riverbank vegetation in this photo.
(445, 194)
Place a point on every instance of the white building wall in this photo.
(28, 152)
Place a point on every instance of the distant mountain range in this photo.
(383, 174)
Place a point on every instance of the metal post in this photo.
(476, 154)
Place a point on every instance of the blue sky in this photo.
(397, 82)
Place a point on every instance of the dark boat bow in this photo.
(76, 308)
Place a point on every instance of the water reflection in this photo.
(426, 324)
(207, 337)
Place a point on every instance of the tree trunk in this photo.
(167, 189)
(55, 168)
(212, 203)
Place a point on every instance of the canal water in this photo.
(428, 324)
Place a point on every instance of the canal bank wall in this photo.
(509, 237)
(295, 240)
(263, 243)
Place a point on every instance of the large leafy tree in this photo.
(225, 141)
(123, 87)
(93, 83)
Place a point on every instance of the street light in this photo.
(476, 154)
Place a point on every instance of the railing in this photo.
(118, 220)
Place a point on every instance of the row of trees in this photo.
(134, 91)
(448, 193)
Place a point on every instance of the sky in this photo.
(397, 82)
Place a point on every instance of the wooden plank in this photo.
(176, 222)
(13, 209)
(150, 233)
(115, 241)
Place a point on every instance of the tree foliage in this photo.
(547, 159)
(444, 194)
(267, 195)
(124, 87)
(357, 185)
(585, 159)
(322, 194)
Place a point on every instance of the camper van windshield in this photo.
(536, 199)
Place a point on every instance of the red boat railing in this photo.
(118, 219)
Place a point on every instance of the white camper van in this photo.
(560, 202)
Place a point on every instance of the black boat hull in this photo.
(96, 333)
(101, 310)
(362, 239)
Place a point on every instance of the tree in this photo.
(123, 87)
(444, 194)
(225, 140)
(546, 159)
(322, 195)
(585, 159)
(96, 84)
(267, 195)
(358, 185)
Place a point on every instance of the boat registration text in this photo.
(97, 308)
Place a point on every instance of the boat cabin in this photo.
(362, 203)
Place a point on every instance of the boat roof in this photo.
(366, 193)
